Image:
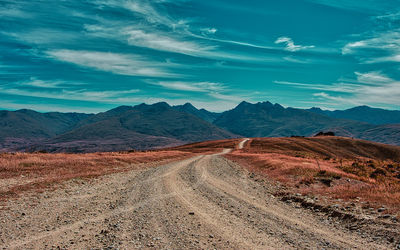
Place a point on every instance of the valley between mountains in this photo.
(201, 201)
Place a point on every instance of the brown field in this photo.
(208, 146)
(22, 172)
(192, 197)
(339, 168)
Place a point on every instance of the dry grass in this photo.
(209, 146)
(339, 168)
(324, 147)
(336, 167)
(21, 172)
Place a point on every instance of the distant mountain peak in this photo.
(266, 103)
(188, 104)
(141, 105)
(201, 113)
(277, 105)
(27, 111)
(120, 109)
(362, 107)
(188, 107)
(243, 103)
(161, 104)
(158, 105)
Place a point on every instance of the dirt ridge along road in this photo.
(203, 202)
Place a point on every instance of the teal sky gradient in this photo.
(89, 56)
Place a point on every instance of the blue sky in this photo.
(89, 56)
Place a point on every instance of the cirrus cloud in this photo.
(123, 64)
(290, 46)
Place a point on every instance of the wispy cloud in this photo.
(369, 88)
(45, 36)
(338, 87)
(193, 41)
(367, 6)
(13, 11)
(191, 86)
(373, 78)
(12, 104)
(218, 92)
(209, 30)
(105, 96)
(53, 84)
(123, 64)
(149, 10)
(328, 99)
(220, 102)
(389, 17)
(180, 42)
(163, 42)
(231, 98)
(290, 46)
(382, 47)
(240, 43)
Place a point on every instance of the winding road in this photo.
(203, 202)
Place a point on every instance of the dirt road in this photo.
(241, 144)
(203, 202)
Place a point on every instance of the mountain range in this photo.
(363, 113)
(143, 126)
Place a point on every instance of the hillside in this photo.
(325, 147)
(17, 128)
(28, 123)
(139, 127)
(364, 114)
(389, 134)
(343, 171)
(272, 120)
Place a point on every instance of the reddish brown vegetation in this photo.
(209, 146)
(22, 172)
(324, 147)
(331, 166)
(337, 167)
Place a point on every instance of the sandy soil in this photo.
(202, 202)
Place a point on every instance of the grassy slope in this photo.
(23, 172)
(333, 166)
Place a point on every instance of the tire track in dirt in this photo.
(277, 214)
(221, 223)
(128, 200)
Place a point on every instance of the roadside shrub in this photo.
(377, 172)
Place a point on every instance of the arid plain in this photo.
(239, 193)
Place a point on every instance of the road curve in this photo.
(241, 144)
(202, 202)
